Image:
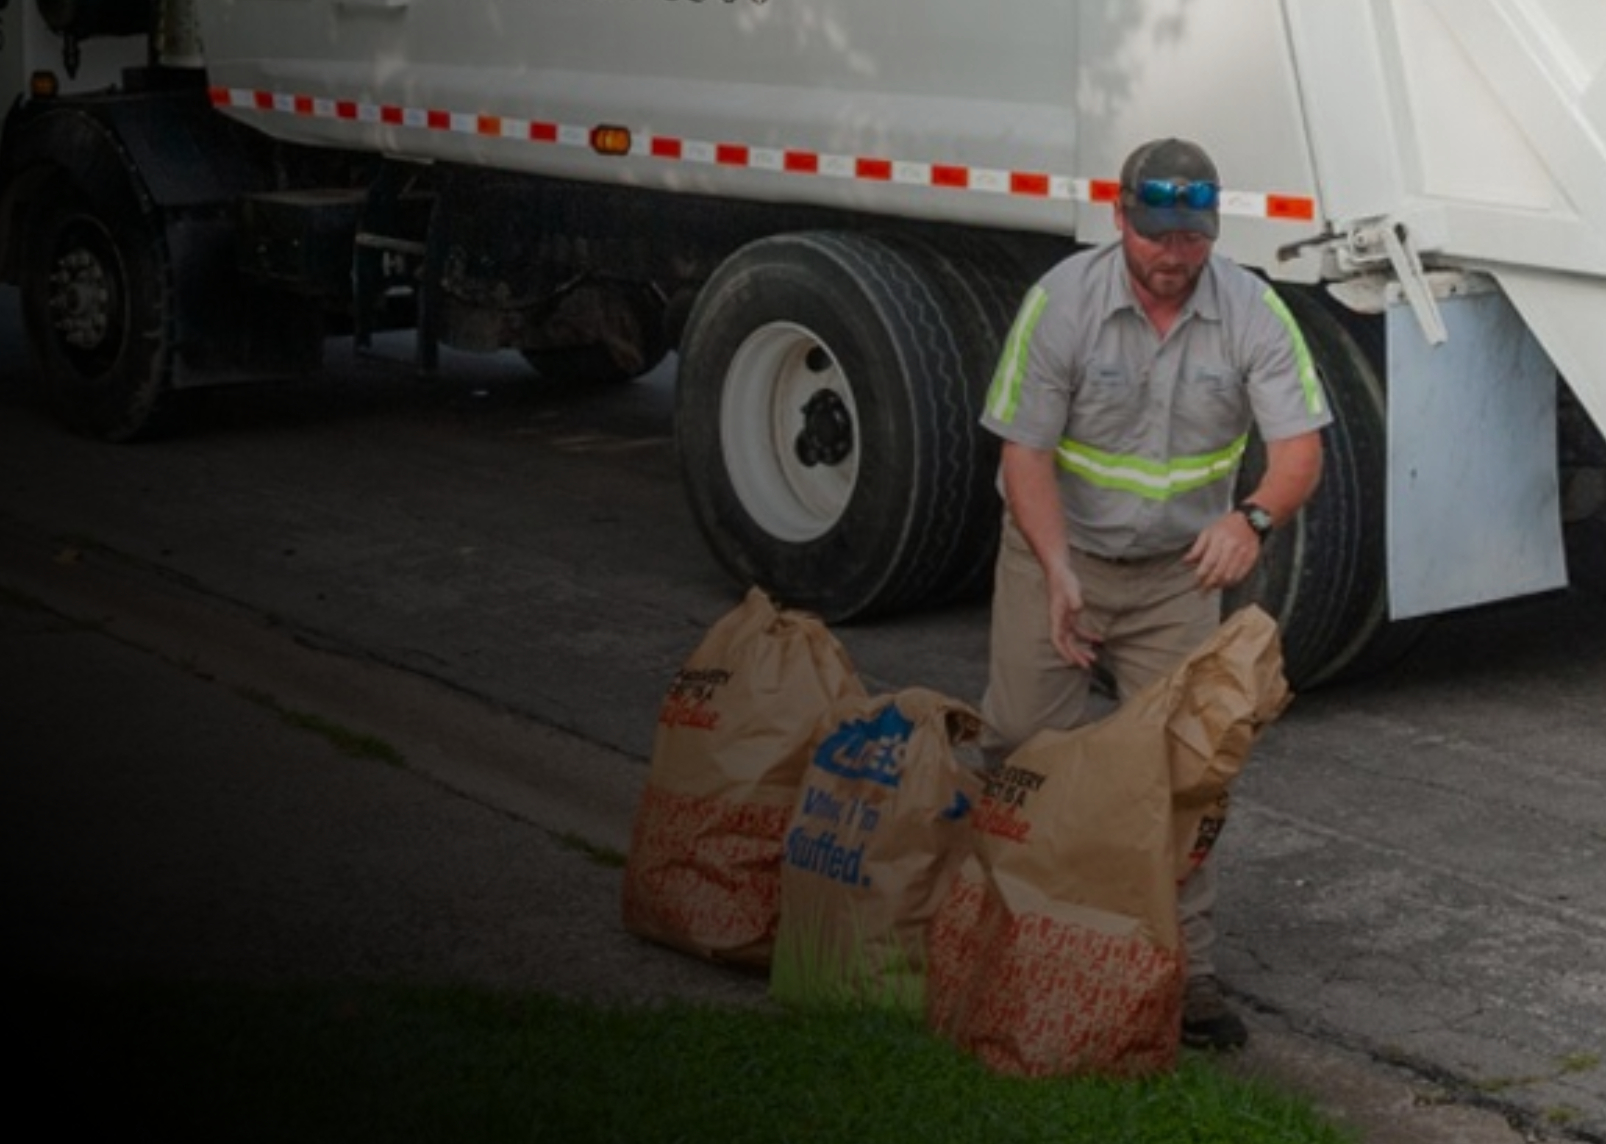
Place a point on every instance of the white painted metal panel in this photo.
(1348, 83)
(1507, 157)
(1473, 499)
(1568, 315)
(1476, 123)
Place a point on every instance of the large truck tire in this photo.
(97, 308)
(826, 426)
(982, 285)
(1324, 577)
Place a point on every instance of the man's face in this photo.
(1167, 267)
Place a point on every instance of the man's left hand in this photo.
(1225, 553)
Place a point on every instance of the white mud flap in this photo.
(1473, 495)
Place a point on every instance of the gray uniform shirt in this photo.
(1148, 433)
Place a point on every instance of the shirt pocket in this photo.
(1106, 376)
(1210, 392)
(1111, 399)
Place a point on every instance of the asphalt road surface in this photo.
(1415, 864)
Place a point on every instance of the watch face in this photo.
(1259, 519)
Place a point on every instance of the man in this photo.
(1124, 398)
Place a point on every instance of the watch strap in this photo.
(1259, 519)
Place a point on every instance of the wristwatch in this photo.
(1259, 519)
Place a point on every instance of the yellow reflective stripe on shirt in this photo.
(1152, 480)
(1315, 403)
(1003, 396)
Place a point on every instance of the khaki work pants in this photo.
(1151, 616)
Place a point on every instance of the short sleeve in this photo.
(1284, 390)
(1029, 398)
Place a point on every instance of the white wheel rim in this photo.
(86, 294)
(767, 432)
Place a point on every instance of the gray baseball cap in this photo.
(1169, 185)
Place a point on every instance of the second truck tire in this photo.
(826, 425)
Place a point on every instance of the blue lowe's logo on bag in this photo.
(834, 822)
(868, 749)
(861, 750)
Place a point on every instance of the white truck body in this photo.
(1007, 114)
(1479, 121)
(1439, 162)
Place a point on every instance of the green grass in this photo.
(1578, 1063)
(232, 1063)
(594, 852)
(352, 744)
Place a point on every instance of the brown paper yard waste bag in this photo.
(734, 734)
(1059, 949)
(877, 835)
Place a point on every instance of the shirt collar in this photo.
(1205, 302)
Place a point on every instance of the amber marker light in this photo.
(44, 85)
(606, 140)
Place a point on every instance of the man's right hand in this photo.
(1077, 646)
(1031, 489)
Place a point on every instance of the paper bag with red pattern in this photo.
(878, 832)
(1059, 951)
(734, 735)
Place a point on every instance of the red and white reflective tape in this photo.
(784, 161)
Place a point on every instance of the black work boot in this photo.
(1207, 1022)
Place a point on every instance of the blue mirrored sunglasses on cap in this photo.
(1168, 193)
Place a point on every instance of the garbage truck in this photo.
(829, 211)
